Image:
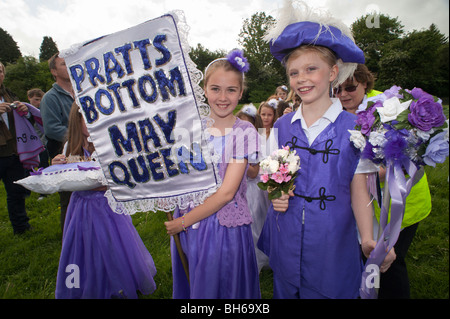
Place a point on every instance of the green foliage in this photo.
(416, 60)
(371, 36)
(48, 49)
(266, 73)
(202, 56)
(25, 74)
(9, 51)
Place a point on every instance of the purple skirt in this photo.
(222, 262)
(102, 255)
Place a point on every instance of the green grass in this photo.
(29, 262)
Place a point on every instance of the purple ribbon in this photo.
(37, 172)
(81, 168)
(399, 188)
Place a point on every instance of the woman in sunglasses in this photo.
(356, 89)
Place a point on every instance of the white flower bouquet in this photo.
(279, 171)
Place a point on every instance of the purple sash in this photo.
(398, 189)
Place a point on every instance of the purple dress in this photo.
(102, 255)
(220, 249)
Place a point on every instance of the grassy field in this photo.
(29, 262)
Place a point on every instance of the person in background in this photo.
(281, 92)
(394, 283)
(55, 109)
(294, 102)
(357, 89)
(268, 113)
(257, 199)
(11, 169)
(34, 97)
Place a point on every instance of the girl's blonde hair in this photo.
(345, 70)
(227, 67)
(326, 54)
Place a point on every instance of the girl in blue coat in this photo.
(310, 235)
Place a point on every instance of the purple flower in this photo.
(396, 144)
(368, 152)
(437, 150)
(417, 93)
(393, 92)
(365, 120)
(425, 113)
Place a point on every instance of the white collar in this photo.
(331, 114)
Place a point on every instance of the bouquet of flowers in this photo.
(402, 130)
(279, 171)
(402, 124)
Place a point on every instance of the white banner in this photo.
(142, 110)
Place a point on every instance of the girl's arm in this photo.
(362, 209)
(232, 180)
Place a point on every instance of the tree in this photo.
(202, 56)
(417, 60)
(371, 37)
(9, 51)
(266, 73)
(48, 49)
(28, 73)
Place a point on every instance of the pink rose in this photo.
(264, 178)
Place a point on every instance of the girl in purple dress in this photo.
(216, 236)
(102, 255)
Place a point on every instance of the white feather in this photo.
(294, 11)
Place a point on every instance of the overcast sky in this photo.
(213, 23)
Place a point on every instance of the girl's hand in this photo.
(59, 159)
(287, 110)
(367, 248)
(282, 204)
(174, 226)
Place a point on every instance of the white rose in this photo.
(358, 139)
(282, 153)
(273, 166)
(293, 162)
(391, 109)
(424, 136)
(377, 139)
(293, 167)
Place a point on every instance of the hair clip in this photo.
(237, 59)
(249, 109)
(273, 103)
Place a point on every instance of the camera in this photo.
(13, 106)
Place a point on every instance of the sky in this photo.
(213, 23)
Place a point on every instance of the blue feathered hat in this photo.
(298, 24)
(312, 33)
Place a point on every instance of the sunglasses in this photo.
(349, 89)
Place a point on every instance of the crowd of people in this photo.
(315, 239)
